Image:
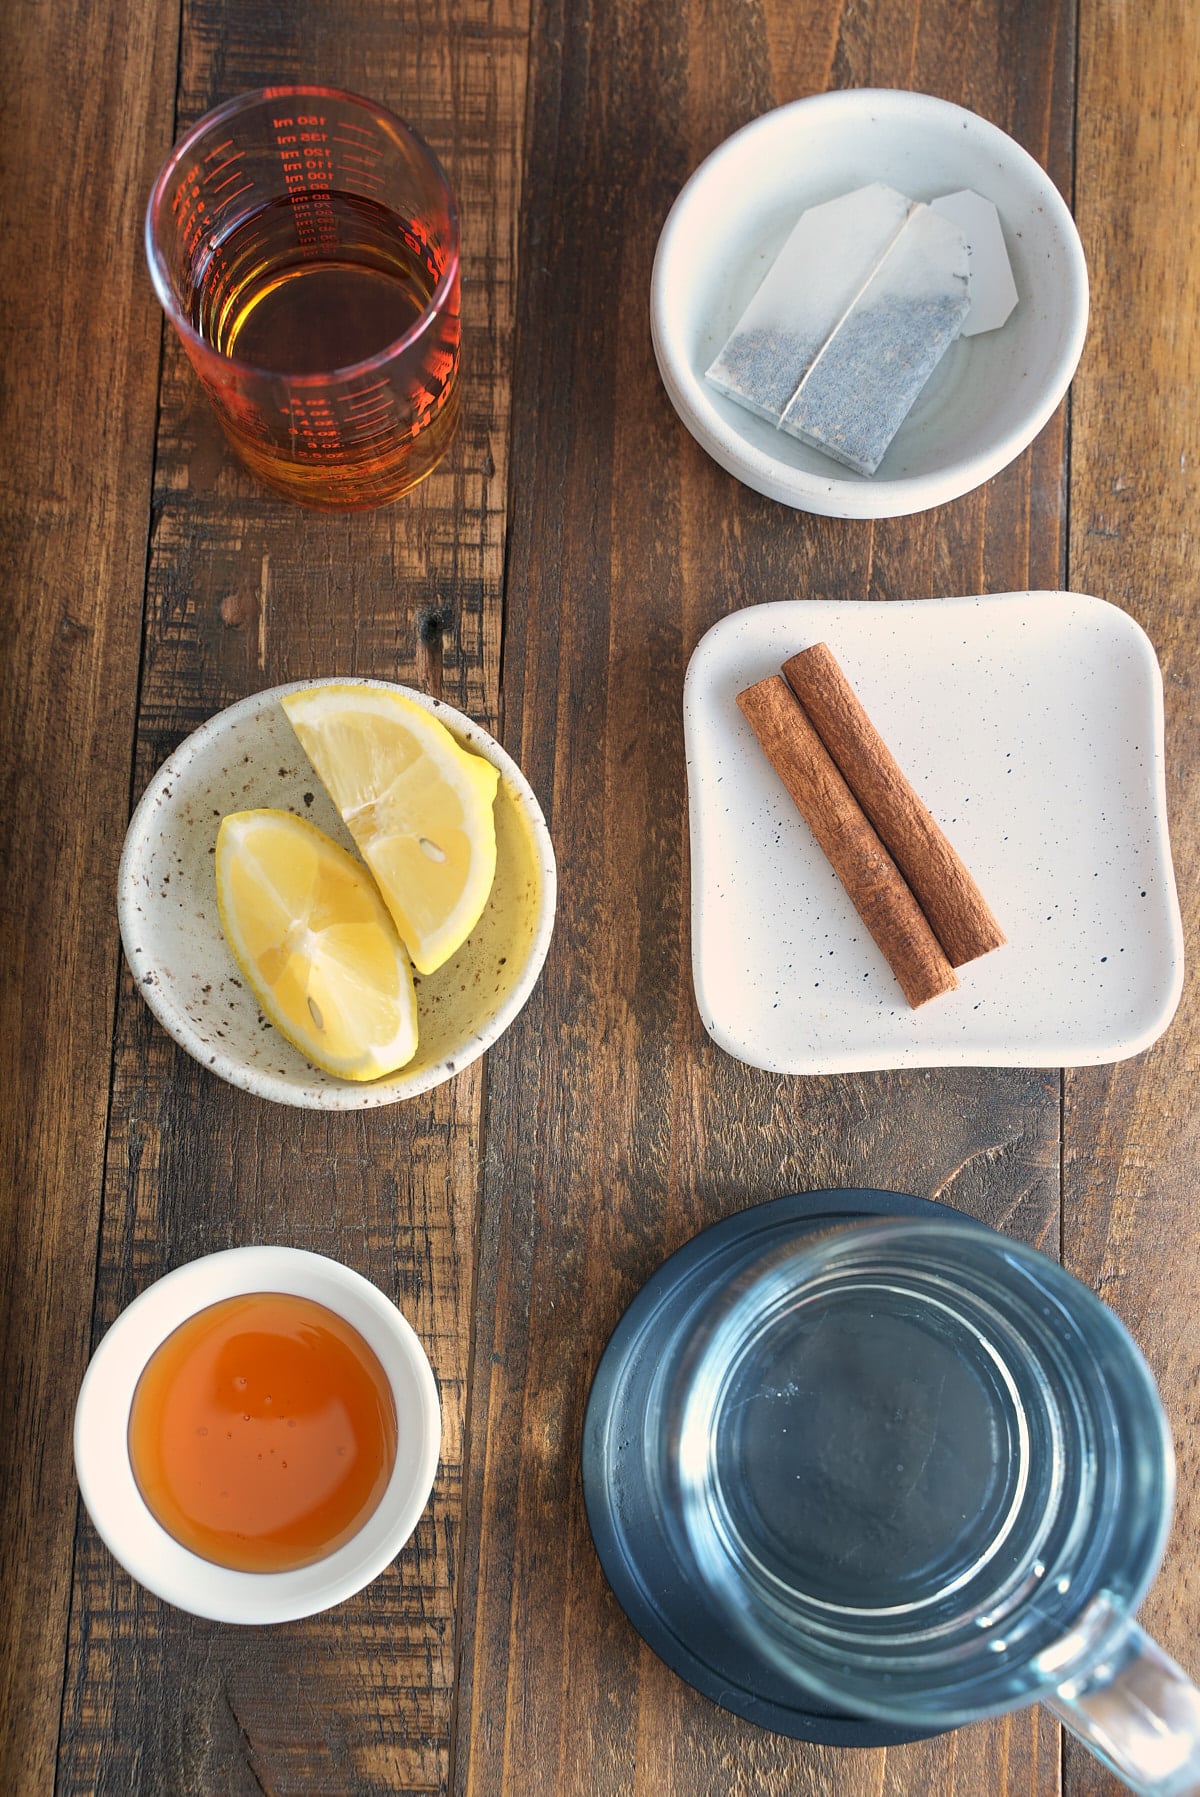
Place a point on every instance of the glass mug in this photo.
(925, 1474)
(304, 244)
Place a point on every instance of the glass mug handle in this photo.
(1138, 1712)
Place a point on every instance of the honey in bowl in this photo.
(262, 1432)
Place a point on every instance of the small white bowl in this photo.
(247, 757)
(989, 396)
(110, 1492)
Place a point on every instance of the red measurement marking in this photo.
(366, 398)
(364, 149)
(220, 150)
(415, 236)
(229, 162)
(187, 188)
(223, 206)
(365, 421)
(360, 130)
(358, 428)
(228, 182)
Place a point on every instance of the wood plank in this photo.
(245, 591)
(630, 1130)
(87, 117)
(1131, 1135)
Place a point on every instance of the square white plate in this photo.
(1031, 724)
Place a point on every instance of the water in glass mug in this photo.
(926, 1473)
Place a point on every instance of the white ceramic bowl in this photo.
(990, 395)
(247, 757)
(130, 1531)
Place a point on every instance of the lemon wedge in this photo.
(316, 944)
(418, 805)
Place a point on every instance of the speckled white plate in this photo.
(249, 756)
(989, 396)
(1032, 726)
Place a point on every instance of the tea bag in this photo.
(857, 310)
(860, 387)
(825, 263)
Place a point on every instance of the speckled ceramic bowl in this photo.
(247, 757)
(989, 396)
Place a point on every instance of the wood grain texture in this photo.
(1131, 1224)
(630, 1130)
(80, 361)
(244, 591)
(552, 578)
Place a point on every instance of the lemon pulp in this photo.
(419, 806)
(316, 944)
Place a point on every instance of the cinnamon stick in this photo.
(958, 913)
(849, 843)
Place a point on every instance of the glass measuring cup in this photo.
(304, 244)
(924, 1474)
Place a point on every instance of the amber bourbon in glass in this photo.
(304, 244)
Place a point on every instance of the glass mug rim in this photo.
(751, 1611)
(164, 285)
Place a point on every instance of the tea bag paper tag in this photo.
(993, 290)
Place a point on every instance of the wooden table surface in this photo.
(551, 579)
